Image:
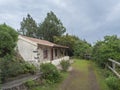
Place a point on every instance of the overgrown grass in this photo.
(100, 76)
(80, 82)
(82, 65)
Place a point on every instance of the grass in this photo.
(100, 77)
(81, 82)
(82, 65)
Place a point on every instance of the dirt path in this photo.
(81, 80)
(92, 79)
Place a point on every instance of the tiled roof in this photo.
(43, 42)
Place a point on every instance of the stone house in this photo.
(38, 51)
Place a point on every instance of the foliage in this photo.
(11, 66)
(29, 68)
(108, 48)
(50, 27)
(67, 40)
(30, 83)
(8, 38)
(113, 83)
(50, 73)
(65, 65)
(10, 31)
(28, 27)
(77, 47)
(82, 49)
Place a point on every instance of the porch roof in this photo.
(44, 42)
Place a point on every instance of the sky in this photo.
(88, 19)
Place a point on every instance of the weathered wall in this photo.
(26, 49)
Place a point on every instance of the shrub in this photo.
(65, 65)
(113, 83)
(107, 73)
(30, 83)
(29, 68)
(50, 73)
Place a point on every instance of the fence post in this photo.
(113, 65)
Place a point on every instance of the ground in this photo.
(82, 77)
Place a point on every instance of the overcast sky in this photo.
(88, 19)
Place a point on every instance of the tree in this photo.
(77, 47)
(108, 48)
(67, 40)
(50, 27)
(82, 49)
(8, 39)
(28, 27)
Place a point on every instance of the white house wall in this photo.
(26, 50)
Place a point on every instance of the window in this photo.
(55, 52)
(45, 53)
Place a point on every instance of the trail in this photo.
(81, 78)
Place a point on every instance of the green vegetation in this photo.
(30, 84)
(113, 82)
(78, 48)
(12, 66)
(46, 30)
(51, 27)
(8, 39)
(65, 65)
(101, 76)
(50, 73)
(40, 85)
(28, 27)
(11, 63)
(83, 66)
(108, 48)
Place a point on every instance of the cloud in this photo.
(88, 19)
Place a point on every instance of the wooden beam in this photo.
(114, 61)
(116, 73)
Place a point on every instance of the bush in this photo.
(65, 65)
(50, 73)
(113, 83)
(30, 68)
(12, 67)
(30, 83)
(8, 39)
(107, 73)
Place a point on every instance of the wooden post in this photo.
(113, 65)
(51, 53)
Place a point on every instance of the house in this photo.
(38, 51)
